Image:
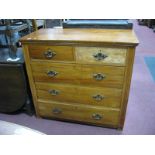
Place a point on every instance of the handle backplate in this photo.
(52, 73)
(98, 97)
(98, 76)
(96, 116)
(56, 111)
(49, 54)
(99, 56)
(54, 92)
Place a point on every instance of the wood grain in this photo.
(67, 36)
(81, 113)
(80, 94)
(114, 55)
(62, 52)
(113, 76)
(78, 74)
(67, 73)
(126, 86)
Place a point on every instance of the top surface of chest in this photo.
(103, 36)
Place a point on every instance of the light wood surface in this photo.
(73, 85)
(80, 94)
(126, 87)
(113, 76)
(81, 113)
(78, 74)
(104, 36)
(114, 55)
(61, 52)
(66, 73)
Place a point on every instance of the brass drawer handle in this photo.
(96, 116)
(56, 111)
(98, 76)
(100, 56)
(52, 73)
(98, 97)
(49, 54)
(54, 92)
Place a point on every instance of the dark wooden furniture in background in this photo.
(37, 24)
(147, 22)
(15, 92)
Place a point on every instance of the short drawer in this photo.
(57, 53)
(80, 113)
(107, 97)
(101, 55)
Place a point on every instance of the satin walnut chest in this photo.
(81, 75)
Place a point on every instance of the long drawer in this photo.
(82, 74)
(58, 53)
(107, 97)
(89, 114)
(101, 55)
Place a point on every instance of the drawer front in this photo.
(57, 53)
(102, 76)
(78, 74)
(54, 72)
(97, 55)
(107, 97)
(89, 114)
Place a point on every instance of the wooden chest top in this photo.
(104, 36)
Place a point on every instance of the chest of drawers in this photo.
(81, 75)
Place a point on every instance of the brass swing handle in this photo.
(100, 56)
(52, 73)
(56, 111)
(98, 76)
(98, 97)
(96, 116)
(54, 92)
(49, 54)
